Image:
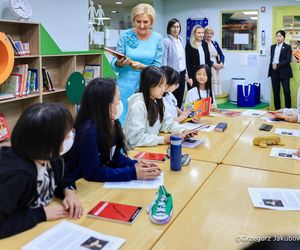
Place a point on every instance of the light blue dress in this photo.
(148, 52)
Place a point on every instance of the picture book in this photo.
(68, 235)
(11, 85)
(116, 54)
(115, 212)
(147, 156)
(91, 71)
(200, 108)
(4, 132)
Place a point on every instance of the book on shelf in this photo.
(200, 108)
(4, 96)
(4, 131)
(11, 85)
(147, 156)
(47, 81)
(115, 212)
(34, 81)
(91, 71)
(68, 235)
(21, 70)
(20, 48)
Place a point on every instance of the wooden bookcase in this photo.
(59, 66)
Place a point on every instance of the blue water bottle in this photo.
(175, 153)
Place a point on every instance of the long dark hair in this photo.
(95, 105)
(151, 77)
(172, 76)
(208, 83)
(40, 131)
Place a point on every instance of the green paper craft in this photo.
(74, 87)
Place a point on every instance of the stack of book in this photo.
(20, 48)
(21, 82)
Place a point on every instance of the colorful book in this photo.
(11, 85)
(200, 108)
(4, 132)
(34, 81)
(147, 156)
(115, 212)
(46, 83)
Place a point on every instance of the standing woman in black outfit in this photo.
(197, 53)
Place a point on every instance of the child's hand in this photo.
(54, 212)
(184, 114)
(167, 139)
(147, 171)
(196, 120)
(72, 204)
(297, 153)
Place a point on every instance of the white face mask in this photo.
(68, 142)
(119, 108)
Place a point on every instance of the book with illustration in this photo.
(147, 156)
(115, 212)
(200, 108)
(4, 132)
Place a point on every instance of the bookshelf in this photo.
(59, 65)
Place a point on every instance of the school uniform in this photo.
(170, 103)
(196, 94)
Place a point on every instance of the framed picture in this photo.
(239, 30)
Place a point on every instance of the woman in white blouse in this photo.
(174, 56)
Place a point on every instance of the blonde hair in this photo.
(143, 8)
(193, 41)
(207, 29)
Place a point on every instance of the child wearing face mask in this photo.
(96, 153)
(202, 87)
(147, 116)
(32, 171)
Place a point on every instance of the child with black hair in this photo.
(170, 102)
(147, 116)
(202, 87)
(96, 153)
(32, 171)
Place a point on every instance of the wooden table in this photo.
(142, 233)
(217, 144)
(221, 212)
(245, 154)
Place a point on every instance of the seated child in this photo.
(147, 116)
(96, 153)
(32, 171)
(202, 87)
(170, 102)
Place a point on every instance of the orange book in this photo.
(114, 212)
(201, 108)
(147, 156)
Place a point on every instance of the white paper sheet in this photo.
(253, 113)
(275, 198)
(287, 132)
(70, 236)
(284, 153)
(239, 38)
(204, 127)
(137, 184)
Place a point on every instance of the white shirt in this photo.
(277, 53)
(201, 54)
(193, 95)
(170, 103)
(180, 53)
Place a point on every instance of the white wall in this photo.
(65, 20)
(211, 9)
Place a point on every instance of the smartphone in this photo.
(265, 127)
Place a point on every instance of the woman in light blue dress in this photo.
(142, 47)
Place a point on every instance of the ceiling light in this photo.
(114, 11)
(250, 12)
(119, 2)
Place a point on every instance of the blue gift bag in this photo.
(246, 95)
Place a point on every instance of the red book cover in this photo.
(150, 156)
(4, 132)
(115, 212)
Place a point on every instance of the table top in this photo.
(142, 233)
(245, 154)
(221, 214)
(216, 144)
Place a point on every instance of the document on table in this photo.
(284, 153)
(67, 235)
(275, 198)
(191, 142)
(202, 127)
(253, 113)
(137, 184)
(287, 132)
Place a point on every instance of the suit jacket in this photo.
(284, 66)
(193, 60)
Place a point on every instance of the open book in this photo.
(200, 108)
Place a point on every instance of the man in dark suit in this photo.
(280, 69)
